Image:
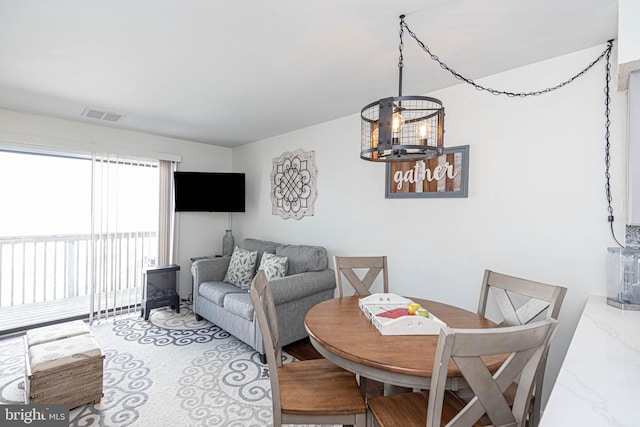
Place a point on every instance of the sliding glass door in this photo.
(76, 233)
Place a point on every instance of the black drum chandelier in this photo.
(402, 128)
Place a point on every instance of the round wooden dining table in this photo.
(343, 334)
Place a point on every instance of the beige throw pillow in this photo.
(240, 271)
(274, 266)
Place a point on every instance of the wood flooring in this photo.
(302, 350)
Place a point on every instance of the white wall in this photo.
(536, 205)
(199, 233)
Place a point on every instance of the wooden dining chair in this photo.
(304, 392)
(371, 266)
(525, 346)
(520, 302)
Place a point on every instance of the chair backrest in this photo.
(525, 346)
(265, 309)
(520, 300)
(373, 265)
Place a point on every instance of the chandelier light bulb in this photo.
(423, 131)
(397, 121)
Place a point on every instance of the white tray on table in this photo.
(376, 305)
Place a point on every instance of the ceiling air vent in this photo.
(102, 115)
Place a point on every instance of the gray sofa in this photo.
(308, 282)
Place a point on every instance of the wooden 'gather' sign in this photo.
(444, 176)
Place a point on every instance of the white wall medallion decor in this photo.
(293, 184)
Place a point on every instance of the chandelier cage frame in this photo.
(402, 128)
(421, 135)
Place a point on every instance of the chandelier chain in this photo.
(606, 54)
(401, 58)
(479, 87)
(607, 146)
(401, 45)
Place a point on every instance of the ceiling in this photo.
(233, 72)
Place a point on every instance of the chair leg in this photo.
(535, 409)
(362, 381)
(371, 421)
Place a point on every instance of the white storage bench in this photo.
(64, 365)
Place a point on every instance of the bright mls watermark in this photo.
(34, 415)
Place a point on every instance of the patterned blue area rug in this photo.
(169, 371)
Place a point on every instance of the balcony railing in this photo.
(41, 269)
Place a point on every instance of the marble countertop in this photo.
(599, 381)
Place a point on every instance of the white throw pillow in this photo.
(274, 266)
(240, 271)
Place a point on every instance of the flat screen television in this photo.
(208, 191)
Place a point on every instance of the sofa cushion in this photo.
(239, 304)
(216, 291)
(303, 258)
(261, 246)
(274, 266)
(241, 268)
